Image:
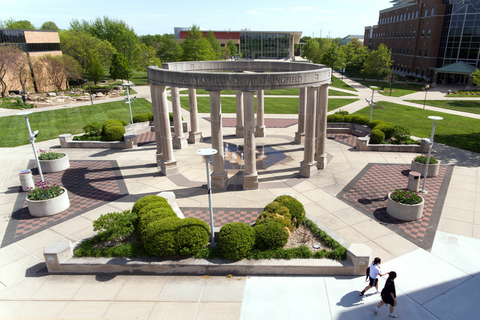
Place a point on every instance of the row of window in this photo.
(36, 47)
(12, 36)
(405, 16)
(265, 45)
(400, 34)
(407, 51)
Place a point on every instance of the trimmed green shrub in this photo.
(284, 220)
(159, 237)
(142, 202)
(358, 119)
(270, 235)
(377, 137)
(372, 124)
(142, 117)
(387, 129)
(116, 225)
(236, 240)
(401, 134)
(297, 211)
(342, 112)
(191, 236)
(170, 116)
(150, 116)
(113, 133)
(113, 122)
(154, 206)
(348, 118)
(93, 129)
(335, 118)
(154, 215)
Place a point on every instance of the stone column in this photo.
(165, 161)
(308, 166)
(250, 176)
(179, 140)
(194, 136)
(260, 128)
(302, 104)
(322, 109)
(239, 124)
(219, 175)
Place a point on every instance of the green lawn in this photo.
(458, 105)
(272, 105)
(398, 89)
(139, 78)
(130, 91)
(13, 130)
(334, 93)
(337, 83)
(456, 131)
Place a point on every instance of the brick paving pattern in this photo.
(343, 138)
(368, 193)
(89, 184)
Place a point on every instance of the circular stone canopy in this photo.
(240, 75)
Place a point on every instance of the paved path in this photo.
(441, 283)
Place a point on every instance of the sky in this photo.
(320, 18)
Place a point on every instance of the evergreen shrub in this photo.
(142, 202)
(335, 118)
(142, 117)
(358, 119)
(297, 211)
(270, 235)
(236, 240)
(377, 137)
(159, 237)
(113, 133)
(387, 129)
(192, 235)
(372, 124)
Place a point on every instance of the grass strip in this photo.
(471, 106)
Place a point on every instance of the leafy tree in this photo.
(78, 44)
(379, 61)
(334, 58)
(94, 67)
(50, 25)
(232, 47)
(226, 53)
(195, 47)
(216, 48)
(146, 56)
(21, 68)
(355, 53)
(60, 68)
(8, 55)
(312, 51)
(149, 39)
(168, 50)
(476, 78)
(119, 67)
(73, 70)
(21, 24)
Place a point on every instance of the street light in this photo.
(31, 137)
(128, 100)
(89, 90)
(430, 144)
(371, 102)
(206, 153)
(425, 100)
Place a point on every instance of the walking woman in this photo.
(389, 295)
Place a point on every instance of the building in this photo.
(350, 37)
(35, 43)
(255, 44)
(426, 35)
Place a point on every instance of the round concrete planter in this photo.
(49, 207)
(420, 167)
(405, 212)
(55, 165)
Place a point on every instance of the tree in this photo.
(378, 61)
(94, 67)
(226, 53)
(216, 48)
(60, 68)
(73, 70)
(334, 58)
(312, 51)
(195, 47)
(21, 68)
(355, 53)
(78, 44)
(21, 24)
(119, 67)
(476, 78)
(8, 55)
(232, 47)
(145, 57)
(49, 25)
(168, 50)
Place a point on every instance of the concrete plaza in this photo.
(438, 283)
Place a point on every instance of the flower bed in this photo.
(419, 165)
(405, 205)
(47, 199)
(53, 161)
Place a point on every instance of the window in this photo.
(432, 11)
(416, 14)
(414, 33)
(429, 32)
(426, 52)
(408, 16)
(408, 51)
(426, 12)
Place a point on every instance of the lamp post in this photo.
(206, 153)
(128, 100)
(425, 100)
(89, 90)
(371, 102)
(430, 144)
(31, 137)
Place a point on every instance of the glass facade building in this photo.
(17, 38)
(258, 45)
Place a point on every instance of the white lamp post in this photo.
(31, 137)
(371, 102)
(425, 100)
(206, 153)
(430, 144)
(128, 100)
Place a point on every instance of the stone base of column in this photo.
(159, 157)
(321, 161)
(168, 168)
(239, 132)
(299, 137)
(250, 182)
(194, 137)
(260, 131)
(179, 142)
(219, 181)
(308, 169)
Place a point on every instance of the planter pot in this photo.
(405, 212)
(49, 207)
(55, 165)
(420, 167)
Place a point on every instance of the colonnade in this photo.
(312, 118)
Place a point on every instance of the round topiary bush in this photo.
(191, 236)
(377, 136)
(335, 118)
(387, 129)
(159, 237)
(113, 133)
(142, 202)
(156, 205)
(270, 235)
(297, 211)
(285, 220)
(153, 215)
(372, 124)
(236, 240)
(113, 122)
(142, 117)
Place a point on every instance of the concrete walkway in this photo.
(440, 284)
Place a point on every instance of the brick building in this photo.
(425, 35)
(35, 43)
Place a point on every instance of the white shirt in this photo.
(374, 271)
